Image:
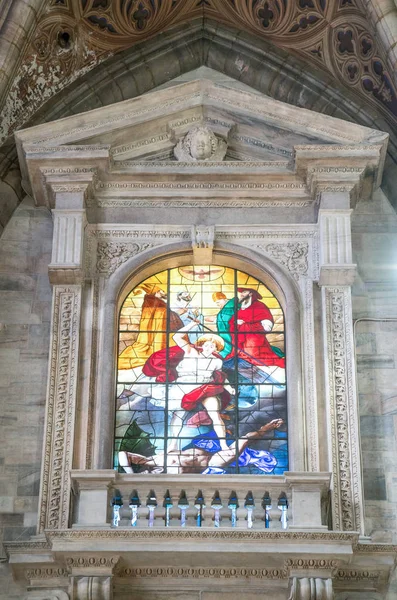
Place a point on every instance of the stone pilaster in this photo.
(336, 276)
(66, 272)
(61, 403)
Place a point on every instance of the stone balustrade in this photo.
(110, 499)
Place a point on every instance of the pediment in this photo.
(138, 136)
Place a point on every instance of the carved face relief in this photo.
(200, 144)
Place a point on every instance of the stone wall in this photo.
(25, 310)
(374, 226)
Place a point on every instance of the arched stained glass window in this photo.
(201, 384)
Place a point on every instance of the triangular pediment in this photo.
(139, 135)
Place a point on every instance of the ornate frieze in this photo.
(61, 402)
(192, 572)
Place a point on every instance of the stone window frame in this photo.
(138, 268)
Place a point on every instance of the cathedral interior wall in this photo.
(25, 312)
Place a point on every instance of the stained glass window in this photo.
(201, 380)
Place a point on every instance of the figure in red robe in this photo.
(251, 323)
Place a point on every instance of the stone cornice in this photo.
(345, 155)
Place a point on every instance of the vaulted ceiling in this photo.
(59, 57)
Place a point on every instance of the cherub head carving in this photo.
(200, 144)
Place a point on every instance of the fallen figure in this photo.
(196, 459)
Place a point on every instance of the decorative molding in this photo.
(58, 447)
(375, 548)
(70, 188)
(311, 563)
(142, 233)
(192, 534)
(92, 562)
(199, 185)
(174, 202)
(47, 171)
(259, 143)
(251, 234)
(166, 572)
(46, 573)
(111, 255)
(197, 167)
(116, 151)
(346, 492)
(35, 148)
(358, 575)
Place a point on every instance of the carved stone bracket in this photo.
(311, 588)
(92, 588)
(341, 398)
(58, 447)
(202, 244)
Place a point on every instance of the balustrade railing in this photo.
(164, 511)
(289, 501)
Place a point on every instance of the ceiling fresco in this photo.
(73, 36)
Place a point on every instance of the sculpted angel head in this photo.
(199, 144)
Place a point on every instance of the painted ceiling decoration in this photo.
(73, 36)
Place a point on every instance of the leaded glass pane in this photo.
(201, 384)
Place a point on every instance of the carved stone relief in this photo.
(347, 499)
(200, 144)
(293, 256)
(111, 255)
(55, 490)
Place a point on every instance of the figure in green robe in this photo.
(227, 310)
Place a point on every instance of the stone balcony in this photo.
(129, 534)
(293, 501)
